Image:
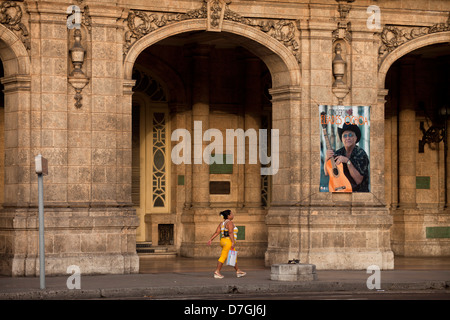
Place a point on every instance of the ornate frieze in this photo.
(393, 36)
(141, 23)
(11, 17)
(282, 30)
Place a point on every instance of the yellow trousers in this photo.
(225, 243)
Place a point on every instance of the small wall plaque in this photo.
(437, 232)
(422, 182)
(225, 168)
(219, 187)
(241, 233)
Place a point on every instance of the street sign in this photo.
(41, 165)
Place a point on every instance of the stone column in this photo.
(286, 119)
(407, 138)
(200, 112)
(194, 219)
(391, 138)
(252, 119)
(283, 218)
(390, 159)
(447, 177)
(18, 219)
(18, 173)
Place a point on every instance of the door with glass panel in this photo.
(150, 157)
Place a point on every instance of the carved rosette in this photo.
(11, 17)
(393, 36)
(141, 23)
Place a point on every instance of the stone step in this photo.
(152, 250)
(158, 255)
(148, 249)
(144, 244)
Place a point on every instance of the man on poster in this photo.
(354, 159)
(345, 148)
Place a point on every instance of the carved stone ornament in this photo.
(77, 79)
(393, 37)
(343, 8)
(342, 36)
(343, 32)
(11, 17)
(339, 66)
(141, 23)
(86, 20)
(216, 11)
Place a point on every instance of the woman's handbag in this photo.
(231, 260)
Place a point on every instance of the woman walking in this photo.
(227, 242)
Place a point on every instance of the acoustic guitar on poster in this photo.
(338, 181)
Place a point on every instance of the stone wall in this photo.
(79, 117)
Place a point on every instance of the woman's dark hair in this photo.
(225, 213)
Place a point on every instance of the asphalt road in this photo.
(422, 295)
(376, 295)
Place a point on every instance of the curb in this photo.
(66, 294)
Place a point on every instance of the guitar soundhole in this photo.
(335, 171)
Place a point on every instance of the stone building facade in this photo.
(99, 88)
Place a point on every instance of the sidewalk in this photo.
(185, 277)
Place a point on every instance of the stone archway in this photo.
(278, 58)
(17, 187)
(16, 82)
(285, 72)
(415, 185)
(423, 41)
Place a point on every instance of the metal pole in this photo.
(41, 231)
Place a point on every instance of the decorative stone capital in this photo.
(16, 83)
(382, 93)
(285, 93)
(128, 87)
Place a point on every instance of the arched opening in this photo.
(2, 137)
(416, 148)
(206, 78)
(15, 189)
(198, 214)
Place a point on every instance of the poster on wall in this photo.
(344, 148)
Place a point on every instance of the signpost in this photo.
(41, 170)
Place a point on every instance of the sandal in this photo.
(240, 274)
(218, 276)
